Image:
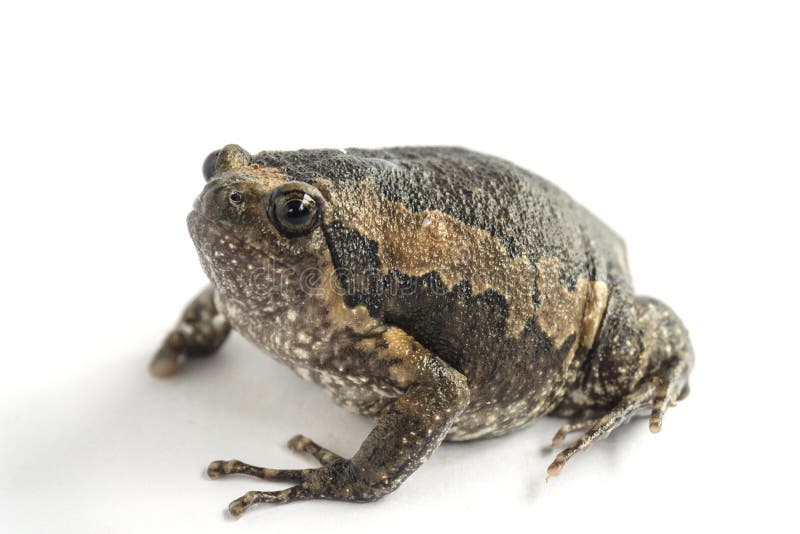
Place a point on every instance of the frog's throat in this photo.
(226, 256)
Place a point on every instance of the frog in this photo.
(444, 293)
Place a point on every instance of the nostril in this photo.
(235, 198)
(221, 200)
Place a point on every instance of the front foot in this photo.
(336, 479)
(299, 443)
(405, 435)
(240, 505)
(200, 331)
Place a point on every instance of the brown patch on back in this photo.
(594, 312)
(416, 243)
(563, 312)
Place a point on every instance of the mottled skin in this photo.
(445, 293)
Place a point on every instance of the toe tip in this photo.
(240, 505)
(655, 427)
(214, 469)
(163, 364)
(298, 443)
(555, 468)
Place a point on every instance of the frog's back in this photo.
(491, 267)
(529, 215)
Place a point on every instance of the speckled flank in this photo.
(445, 293)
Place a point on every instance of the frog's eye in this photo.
(210, 165)
(228, 158)
(293, 208)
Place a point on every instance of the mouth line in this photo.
(197, 219)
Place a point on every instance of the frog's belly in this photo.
(508, 401)
(358, 394)
(492, 420)
(503, 404)
(367, 396)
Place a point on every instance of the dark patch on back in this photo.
(357, 264)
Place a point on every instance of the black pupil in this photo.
(298, 210)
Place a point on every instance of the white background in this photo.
(676, 122)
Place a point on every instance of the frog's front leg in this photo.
(199, 332)
(406, 434)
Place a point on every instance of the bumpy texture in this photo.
(446, 293)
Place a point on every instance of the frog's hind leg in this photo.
(600, 428)
(656, 394)
(671, 388)
(651, 351)
(569, 428)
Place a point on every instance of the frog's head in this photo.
(257, 230)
